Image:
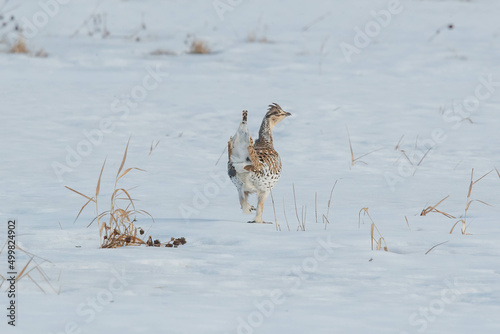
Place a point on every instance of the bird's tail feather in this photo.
(240, 146)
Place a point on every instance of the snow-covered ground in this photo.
(374, 69)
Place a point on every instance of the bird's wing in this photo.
(254, 158)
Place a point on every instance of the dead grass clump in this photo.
(433, 208)
(470, 201)
(116, 225)
(199, 46)
(19, 46)
(381, 239)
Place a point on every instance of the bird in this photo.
(255, 167)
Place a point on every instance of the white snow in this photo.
(232, 277)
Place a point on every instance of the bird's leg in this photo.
(247, 208)
(261, 198)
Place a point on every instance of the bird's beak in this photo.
(287, 114)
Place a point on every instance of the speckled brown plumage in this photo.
(255, 167)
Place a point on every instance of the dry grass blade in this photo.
(374, 228)
(436, 246)
(453, 227)
(79, 193)
(295, 204)
(364, 155)
(445, 214)
(430, 209)
(20, 275)
(316, 206)
(128, 170)
(354, 161)
(38, 285)
(152, 148)
(407, 157)
(146, 213)
(471, 184)
(469, 201)
(123, 160)
(83, 207)
(98, 217)
(399, 143)
(278, 228)
(365, 210)
(430, 148)
(126, 193)
(482, 177)
(98, 187)
(482, 202)
(284, 213)
(407, 223)
(330, 199)
(350, 145)
(45, 278)
(325, 221)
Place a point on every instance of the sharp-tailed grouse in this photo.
(255, 168)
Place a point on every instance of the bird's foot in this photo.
(248, 209)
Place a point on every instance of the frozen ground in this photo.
(438, 90)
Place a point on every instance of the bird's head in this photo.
(275, 114)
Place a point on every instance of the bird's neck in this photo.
(265, 134)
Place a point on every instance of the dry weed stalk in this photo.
(470, 201)
(378, 243)
(278, 227)
(284, 212)
(407, 223)
(301, 219)
(325, 217)
(439, 244)
(153, 147)
(412, 161)
(399, 143)
(354, 160)
(119, 230)
(433, 209)
(302, 223)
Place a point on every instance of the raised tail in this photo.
(239, 147)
